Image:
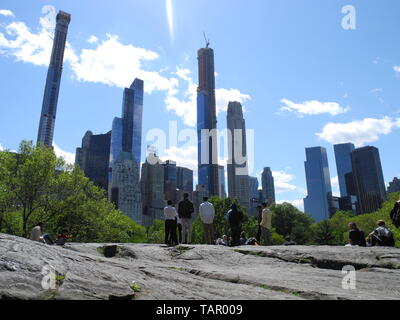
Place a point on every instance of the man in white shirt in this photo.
(207, 214)
(171, 217)
(266, 223)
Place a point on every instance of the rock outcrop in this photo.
(30, 270)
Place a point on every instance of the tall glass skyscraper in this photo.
(51, 91)
(267, 185)
(343, 165)
(368, 179)
(206, 122)
(125, 153)
(238, 178)
(319, 202)
(127, 131)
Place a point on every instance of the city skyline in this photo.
(79, 95)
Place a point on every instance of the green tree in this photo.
(287, 220)
(37, 186)
(323, 233)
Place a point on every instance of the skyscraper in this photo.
(170, 181)
(267, 185)
(319, 202)
(127, 131)
(185, 179)
(93, 157)
(343, 164)
(125, 190)
(394, 185)
(152, 187)
(221, 177)
(368, 179)
(125, 153)
(51, 91)
(207, 123)
(238, 178)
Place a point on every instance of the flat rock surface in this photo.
(194, 272)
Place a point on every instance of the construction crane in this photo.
(207, 40)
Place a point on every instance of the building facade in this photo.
(152, 188)
(394, 186)
(170, 181)
(207, 123)
(93, 157)
(319, 202)
(125, 190)
(267, 185)
(343, 164)
(53, 81)
(368, 179)
(184, 179)
(238, 178)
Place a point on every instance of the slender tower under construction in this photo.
(207, 123)
(50, 98)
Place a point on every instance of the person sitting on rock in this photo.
(382, 236)
(62, 238)
(38, 235)
(289, 241)
(356, 236)
(223, 241)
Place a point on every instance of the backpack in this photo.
(395, 215)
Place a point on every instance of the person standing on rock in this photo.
(207, 214)
(185, 211)
(170, 224)
(266, 224)
(259, 218)
(235, 219)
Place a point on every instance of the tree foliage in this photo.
(36, 186)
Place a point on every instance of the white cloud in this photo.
(313, 107)
(396, 69)
(186, 107)
(281, 181)
(335, 186)
(6, 13)
(358, 132)
(1, 147)
(93, 39)
(299, 204)
(116, 64)
(68, 156)
(184, 157)
(31, 47)
(110, 62)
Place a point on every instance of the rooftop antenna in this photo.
(207, 40)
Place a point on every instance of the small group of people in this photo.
(178, 224)
(38, 235)
(382, 236)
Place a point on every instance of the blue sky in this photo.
(303, 79)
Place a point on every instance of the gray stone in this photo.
(194, 272)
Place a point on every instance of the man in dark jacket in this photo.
(235, 219)
(356, 236)
(185, 211)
